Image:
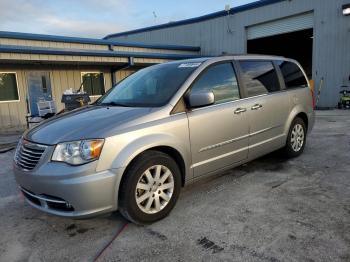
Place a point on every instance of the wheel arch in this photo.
(165, 143)
(297, 111)
(168, 150)
(303, 116)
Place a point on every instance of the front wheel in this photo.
(150, 188)
(296, 139)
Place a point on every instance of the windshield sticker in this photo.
(189, 65)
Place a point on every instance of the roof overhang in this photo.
(98, 53)
(92, 41)
(232, 11)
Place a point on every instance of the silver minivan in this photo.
(160, 129)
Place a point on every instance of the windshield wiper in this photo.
(113, 104)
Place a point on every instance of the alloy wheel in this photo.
(154, 189)
(297, 137)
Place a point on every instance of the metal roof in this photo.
(232, 11)
(80, 52)
(66, 39)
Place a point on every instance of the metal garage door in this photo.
(281, 26)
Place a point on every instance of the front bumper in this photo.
(70, 191)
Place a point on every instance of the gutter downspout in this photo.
(115, 69)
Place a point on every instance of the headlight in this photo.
(78, 152)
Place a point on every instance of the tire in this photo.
(296, 139)
(147, 188)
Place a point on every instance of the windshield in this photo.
(153, 86)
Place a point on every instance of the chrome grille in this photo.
(28, 154)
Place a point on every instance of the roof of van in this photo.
(253, 56)
(237, 56)
(230, 56)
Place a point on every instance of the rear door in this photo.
(219, 132)
(296, 83)
(268, 106)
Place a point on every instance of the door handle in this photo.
(240, 110)
(256, 107)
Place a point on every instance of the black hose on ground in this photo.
(5, 150)
(110, 242)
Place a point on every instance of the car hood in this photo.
(85, 123)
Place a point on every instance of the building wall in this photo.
(82, 46)
(12, 114)
(64, 59)
(331, 56)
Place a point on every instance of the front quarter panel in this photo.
(171, 131)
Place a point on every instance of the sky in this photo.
(98, 18)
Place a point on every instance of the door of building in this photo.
(39, 89)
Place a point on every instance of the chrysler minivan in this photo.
(160, 129)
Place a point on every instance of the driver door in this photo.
(219, 133)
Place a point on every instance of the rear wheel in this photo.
(150, 188)
(296, 139)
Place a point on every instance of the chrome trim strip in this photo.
(266, 141)
(263, 130)
(27, 150)
(43, 198)
(24, 166)
(27, 155)
(218, 157)
(26, 158)
(215, 105)
(26, 162)
(236, 139)
(223, 143)
(37, 146)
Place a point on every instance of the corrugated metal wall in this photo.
(331, 56)
(281, 26)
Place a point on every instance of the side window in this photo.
(293, 76)
(8, 87)
(260, 77)
(221, 80)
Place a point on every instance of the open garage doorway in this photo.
(297, 45)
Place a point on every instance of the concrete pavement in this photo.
(269, 210)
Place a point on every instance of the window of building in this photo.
(221, 80)
(93, 83)
(292, 74)
(8, 87)
(260, 77)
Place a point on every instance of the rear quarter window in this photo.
(292, 74)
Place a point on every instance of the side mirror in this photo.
(200, 99)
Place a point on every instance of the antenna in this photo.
(227, 9)
(155, 17)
